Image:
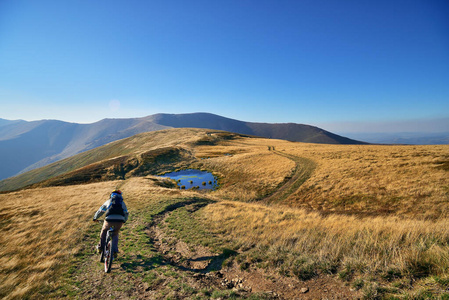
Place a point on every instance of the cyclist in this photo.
(116, 215)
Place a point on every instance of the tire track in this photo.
(199, 259)
(304, 168)
(199, 263)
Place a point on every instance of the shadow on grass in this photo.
(196, 203)
(216, 262)
(144, 263)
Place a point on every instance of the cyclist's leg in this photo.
(104, 230)
(117, 226)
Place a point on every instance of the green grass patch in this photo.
(184, 224)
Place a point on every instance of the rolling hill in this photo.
(285, 131)
(28, 145)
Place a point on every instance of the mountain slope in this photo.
(4, 122)
(201, 120)
(43, 139)
(28, 145)
(286, 131)
(299, 133)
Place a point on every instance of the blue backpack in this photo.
(115, 208)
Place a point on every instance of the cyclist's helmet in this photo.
(117, 191)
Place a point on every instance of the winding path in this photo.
(304, 168)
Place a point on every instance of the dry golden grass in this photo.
(371, 211)
(248, 173)
(39, 228)
(410, 181)
(370, 245)
(403, 180)
(43, 228)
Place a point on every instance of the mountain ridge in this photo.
(28, 145)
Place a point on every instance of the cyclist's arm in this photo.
(101, 210)
(125, 209)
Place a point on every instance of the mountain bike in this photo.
(107, 253)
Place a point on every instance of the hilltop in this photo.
(28, 145)
(289, 220)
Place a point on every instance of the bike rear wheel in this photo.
(102, 255)
(109, 257)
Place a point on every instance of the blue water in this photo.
(194, 179)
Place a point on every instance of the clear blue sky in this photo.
(299, 61)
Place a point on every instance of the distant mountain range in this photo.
(404, 138)
(28, 145)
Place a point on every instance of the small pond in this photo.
(196, 179)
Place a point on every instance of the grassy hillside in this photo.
(108, 156)
(349, 221)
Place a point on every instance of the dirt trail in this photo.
(303, 169)
(196, 259)
(183, 271)
(206, 268)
